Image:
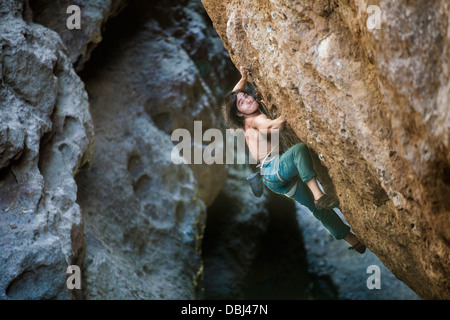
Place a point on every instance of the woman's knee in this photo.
(303, 156)
(301, 148)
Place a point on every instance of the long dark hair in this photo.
(230, 110)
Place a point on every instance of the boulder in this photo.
(372, 103)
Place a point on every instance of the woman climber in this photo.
(290, 173)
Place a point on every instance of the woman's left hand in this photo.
(243, 72)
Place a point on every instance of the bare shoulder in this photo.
(257, 121)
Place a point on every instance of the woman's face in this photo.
(246, 104)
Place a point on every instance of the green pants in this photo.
(296, 165)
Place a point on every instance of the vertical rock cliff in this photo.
(372, 103)
(144, 215)
(46, 135)
(132, 212)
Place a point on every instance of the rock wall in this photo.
(46, 135)
(132, 220)
(144, 215)
(372, 104)
(79, 42)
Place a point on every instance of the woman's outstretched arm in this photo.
(243, 82)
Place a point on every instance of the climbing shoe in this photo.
(359, 247)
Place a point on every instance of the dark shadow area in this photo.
(258, 257)
(279, 271)
(114, 33)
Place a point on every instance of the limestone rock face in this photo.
(144, 215)
(93, 16)
(372, 103)
(46, 135)
(141, 211)
(183, 77)
(141, 216)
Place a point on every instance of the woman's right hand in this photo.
(282, 120)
